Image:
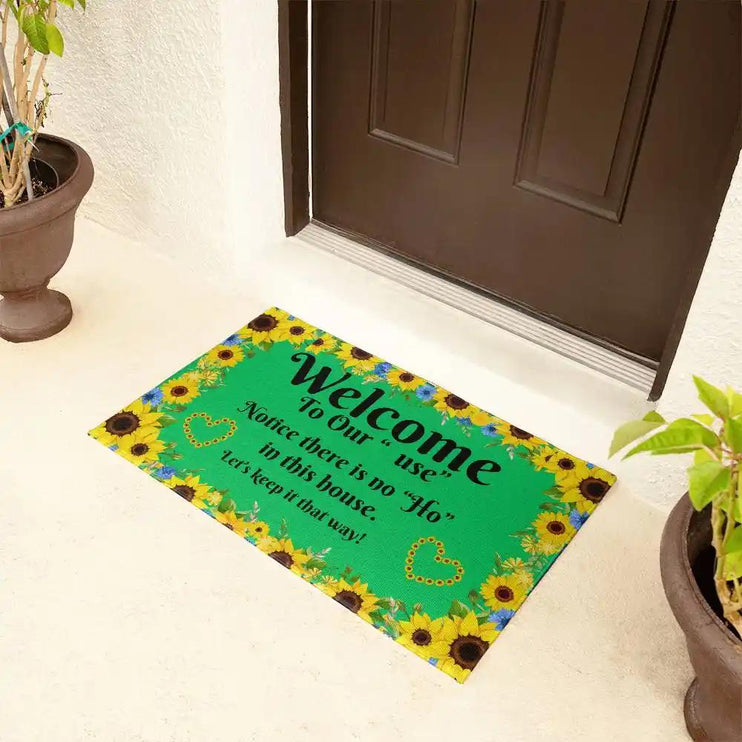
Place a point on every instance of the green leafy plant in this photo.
(714, 439)
(29, 35)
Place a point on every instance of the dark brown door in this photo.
(564, 156)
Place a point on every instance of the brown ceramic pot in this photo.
(713, 703)
(35, 240)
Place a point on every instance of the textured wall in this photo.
(177, 104)
(252, 123)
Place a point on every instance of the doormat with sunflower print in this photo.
(426, 516)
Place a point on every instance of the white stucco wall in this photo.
(178, 105)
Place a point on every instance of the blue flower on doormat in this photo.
(576, 518)
(153, 397)
(490, 430)
(501, 618)
(382, 369)
(233, 340)
(425, 392)
(165, 472)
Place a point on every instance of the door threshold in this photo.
(597, 357)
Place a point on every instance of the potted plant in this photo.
(701, 552)
(43, 179)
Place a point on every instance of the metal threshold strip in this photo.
(603, 360)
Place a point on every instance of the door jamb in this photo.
(293, 40)
(293, 37)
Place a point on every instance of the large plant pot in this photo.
(35, 241)
(713, 703)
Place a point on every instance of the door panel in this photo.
(606, 57)
(561, 156)
(425, 48)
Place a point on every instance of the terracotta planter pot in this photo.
(713, 703)
(35, 241)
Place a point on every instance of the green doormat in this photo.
(429, 518)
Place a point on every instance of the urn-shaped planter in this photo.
(713, 704)
(35, 241)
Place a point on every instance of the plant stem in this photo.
(723, 524)
(8, 93)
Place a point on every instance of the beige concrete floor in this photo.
(125, 614)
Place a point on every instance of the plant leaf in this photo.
(701, 456)
(712, 397)
(68, 3)
(34, 26)
(54, 37)
(732, 566)
(735, 402)
(227, 504)
(733, 433)
(630, 431)
(706, 481)
(680, 436)
(458, 609)
(734, 542)
(705, 419)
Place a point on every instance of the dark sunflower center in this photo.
(258, 529)
(421, 637)
(318, 342)
(352, 601)
(179, 391)
(456, 403)
(467, 651)
(228, 525)
(504, 594)
(263, 323)
(139, 449)
(406, 377)
(359, 355)
(296, 330)
(556, 527)
(122, 423)
(184, 491)
(283, 558)
(520, 433)
(593, 489)
(566, 464)
(225, 355)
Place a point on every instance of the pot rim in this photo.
(690, 608)
(51, 205)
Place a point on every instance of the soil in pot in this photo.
(44, 179)
(703, 571)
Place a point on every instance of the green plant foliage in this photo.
(54, 39)
(680, 436)
(705, 481)
(714, 480)
(733, 432)
(34, 26)
(712, 397)
(635, 429)
(36, 20)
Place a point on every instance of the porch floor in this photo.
(127, 615)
